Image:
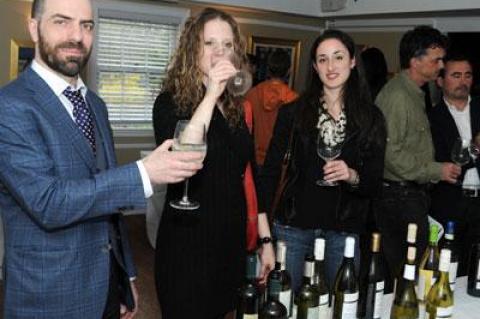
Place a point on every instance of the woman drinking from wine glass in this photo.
(201, 253)
(336, 101)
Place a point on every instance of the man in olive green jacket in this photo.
(409, 158)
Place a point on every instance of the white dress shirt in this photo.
(462, 120)
(58, 85)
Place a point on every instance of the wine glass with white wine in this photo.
(328, 149)
(188, 137)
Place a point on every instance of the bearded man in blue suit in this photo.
(67, 255)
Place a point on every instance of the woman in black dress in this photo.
(200, 255)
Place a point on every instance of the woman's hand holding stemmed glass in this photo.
(237, 82)
(328, 149)
(188, 137)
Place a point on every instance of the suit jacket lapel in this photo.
(49, 104)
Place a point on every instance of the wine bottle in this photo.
(273, 308)
(346, 286)
(449, 244)
(373, 284)
(405, 303)
(319, 282)
(440, 298)
(411, 242)
(286, 295)
(428, 270)
(473, 287)
(307, 300)
(248, 297)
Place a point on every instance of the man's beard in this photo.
(70, 66)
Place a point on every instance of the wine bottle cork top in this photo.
(349, 247)
(281, 252)
(376, 242)
(319, 249)
(412, 233)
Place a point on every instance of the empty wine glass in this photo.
(328, 149)
(241, 82)
(461, 151)
(188, 137)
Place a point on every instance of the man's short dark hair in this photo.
(454, 56)
(415, 43)
(37, 8)
(278, 63)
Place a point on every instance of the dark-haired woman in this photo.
(337, 99)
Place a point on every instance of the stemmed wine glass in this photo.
(461, 151)
(188, 137)
(328, 149)
(241, 82)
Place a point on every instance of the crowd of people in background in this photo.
(67, 253)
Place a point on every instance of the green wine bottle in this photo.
(286, 295)
(306, 301)
(273, 308)
(440, 298)
(405, 303)
(428, 269)
(248, 297)
(448, 244)
(373, 284)
(345, 302)
(319, 282)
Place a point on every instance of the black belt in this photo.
(406, 184)
(470, 192)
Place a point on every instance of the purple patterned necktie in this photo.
(82, 115)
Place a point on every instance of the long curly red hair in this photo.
(184, 77)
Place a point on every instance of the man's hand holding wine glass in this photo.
(164, 166)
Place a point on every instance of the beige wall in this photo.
(13, 21)
(388, 42)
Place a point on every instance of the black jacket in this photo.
(445, 196)
(342, 208)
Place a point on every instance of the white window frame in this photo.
(137, 11)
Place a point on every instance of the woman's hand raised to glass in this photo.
(338, 170)
(218, 76)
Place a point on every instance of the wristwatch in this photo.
(264, 240)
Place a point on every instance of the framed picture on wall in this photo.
(261, 47)
(21, 54)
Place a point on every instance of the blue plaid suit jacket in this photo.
(55, 205)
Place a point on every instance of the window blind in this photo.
(132, 58)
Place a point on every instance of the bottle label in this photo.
(478, 270)
(452, 275)
(285, 298)
(349, 309)
(377, 307)
(477, 285)
(255, 316)
(323, 309)
(443, 313)
(425, 282)
(313, 313)
(294, 311)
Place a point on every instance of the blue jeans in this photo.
(300, 242)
